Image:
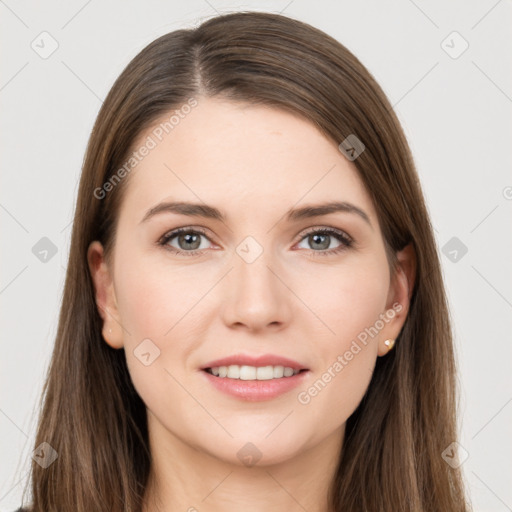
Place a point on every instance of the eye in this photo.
(188, 240)
(322, 238)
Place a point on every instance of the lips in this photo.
(254, 378)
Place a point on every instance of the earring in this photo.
(389, 344)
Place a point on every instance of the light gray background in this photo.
(456, 113)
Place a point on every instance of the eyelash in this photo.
(346, 241)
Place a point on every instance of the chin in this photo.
(256, 451)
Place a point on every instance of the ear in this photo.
(399, 297)
(105, 295)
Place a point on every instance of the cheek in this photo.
(335, 392)
(156, 308)
(346, 299)
(350, 304)
(147, 298)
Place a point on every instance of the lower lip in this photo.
(255, 390)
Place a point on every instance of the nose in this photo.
(257, 297)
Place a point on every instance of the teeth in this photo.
(278, 371)
(265, 373)
(245, 372)
(233, 372)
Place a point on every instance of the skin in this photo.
(254, 163)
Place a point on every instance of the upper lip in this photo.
(261, 360)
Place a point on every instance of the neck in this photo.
(183, 478)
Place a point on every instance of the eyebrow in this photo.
(210, 212)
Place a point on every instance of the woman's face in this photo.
(252, 283)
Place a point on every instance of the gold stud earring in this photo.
(389, 344)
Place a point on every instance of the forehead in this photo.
(240, 156)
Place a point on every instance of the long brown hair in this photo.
(92, 416)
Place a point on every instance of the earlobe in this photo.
(105, 295)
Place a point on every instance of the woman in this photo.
(299, 354)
